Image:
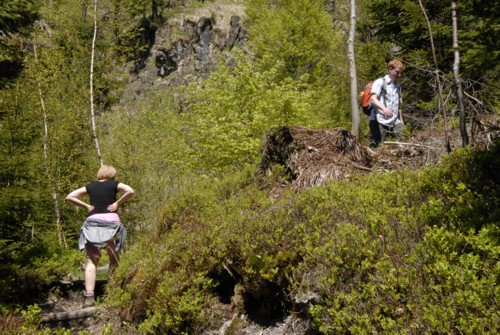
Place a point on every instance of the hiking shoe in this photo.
(88, 301)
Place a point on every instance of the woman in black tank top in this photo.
(102, 227)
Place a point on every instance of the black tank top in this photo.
(102, 194)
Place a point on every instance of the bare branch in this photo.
(437, 77)
(92, 113)
(60, 235)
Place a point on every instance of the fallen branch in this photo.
(362, 167)
(69, 315)
(412, 144)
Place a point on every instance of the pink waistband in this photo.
(113, 217)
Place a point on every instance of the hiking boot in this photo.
(88, 301)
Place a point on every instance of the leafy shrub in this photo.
(389, 253)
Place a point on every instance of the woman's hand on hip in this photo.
(113, 207)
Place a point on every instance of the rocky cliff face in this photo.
(187, 47)
(195, 51)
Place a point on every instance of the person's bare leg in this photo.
(113, 257)
(93, 255)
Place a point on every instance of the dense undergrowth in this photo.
(395, 253)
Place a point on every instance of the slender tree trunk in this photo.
(60, 235)
(456, 75)
(92, 113)
(352, 71)
(154, 10)
(84, 12)
(441, 106)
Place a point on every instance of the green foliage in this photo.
(45, 144)
(29, 266)
(22, 201)
(32, 325)
(32, 318)
(297, 34)
(403, 25)
(359, 261)
(178, 305)
(16, 18)
(456, 277)
(473, 176)
(229, 114)
(128, 29)
(155, 120)
(296, 40)
(16, 14)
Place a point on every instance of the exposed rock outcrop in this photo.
(188, 46)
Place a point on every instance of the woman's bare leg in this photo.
(93, 256)
(113, 257)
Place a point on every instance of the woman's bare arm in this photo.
(75, 196)
(127, 191)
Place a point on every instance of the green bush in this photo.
(391, 253)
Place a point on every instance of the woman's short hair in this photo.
(106, 172)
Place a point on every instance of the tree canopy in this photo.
(16, 19)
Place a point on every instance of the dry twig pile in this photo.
(312, 157)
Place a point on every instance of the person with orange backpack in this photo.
(385, 105)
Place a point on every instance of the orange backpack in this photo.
(365, 101)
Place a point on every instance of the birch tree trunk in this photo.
(456, 75)
(352, 71)
(441, 106)
(92, 113)
(60, 235)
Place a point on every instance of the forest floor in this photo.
(422, 149)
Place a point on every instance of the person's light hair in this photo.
(394, 64)
(106, 172)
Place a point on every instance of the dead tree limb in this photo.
(441, 106)
(60, 235)
(92, 113)
(410, 144)
(69, 315)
